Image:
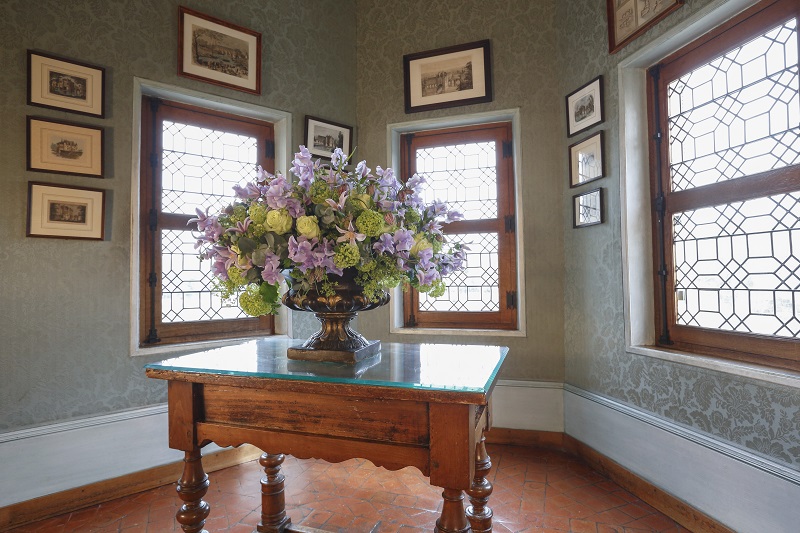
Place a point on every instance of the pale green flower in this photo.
(420, 243)
(346, 255)
(279, 221)
(370, 223)
(308, 226)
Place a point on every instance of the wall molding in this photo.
(528, 405)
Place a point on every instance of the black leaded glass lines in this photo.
(477, 287)
(737, 115)
(200, 166)
(737, 266)
(463, 175)
(187, 283)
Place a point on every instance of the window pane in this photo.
(477, 287)
(737, 266)
(463, 175)
(737, 115)
(200, 166)
(187, 283)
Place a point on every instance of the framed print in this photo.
(628, 19)
(586, 160)
(323, 136)
(587, 208)
(585, 107)
(65, 212)
(218, 52)
(447, 77)
(65, 84)
(65, 148)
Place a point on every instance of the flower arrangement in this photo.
(321, 221)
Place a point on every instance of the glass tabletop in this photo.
(446, 367)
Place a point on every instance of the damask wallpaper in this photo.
(65, 304)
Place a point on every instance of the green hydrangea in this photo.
(370, 223)
(346, 255)
(412, 217)
(258, 213)
(252, 303)
(239, 213)
(320, 191)
(235, 276)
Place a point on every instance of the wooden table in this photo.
(411, 405)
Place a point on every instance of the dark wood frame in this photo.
(611, 11)
(348, 130)
(776, 352)
(183, 11)
(485, 51)
(506, 318)
(601, 199)
(101, 222)
(150, 308)
(101, 71)
(600, 116)
(30, 164)
(572, 166)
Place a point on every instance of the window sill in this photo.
(458, 332)
(191, 346)
(747, 370)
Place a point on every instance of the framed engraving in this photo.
(585, 107)
(59, 83)
(65, 212)
(323, 137)
(447, 77)
(218, 52)
(65, 147)
(587, 208)
(586, 160)
(628, 19)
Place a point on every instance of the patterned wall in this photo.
(760, 417)
(65, 304)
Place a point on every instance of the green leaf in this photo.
(247, 245)
(269, 292)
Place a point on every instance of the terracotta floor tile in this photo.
(534, 490)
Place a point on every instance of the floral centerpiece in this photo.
(324, 220)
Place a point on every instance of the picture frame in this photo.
(628, 19)
(586, 162)
(65, 212)
(585, 107)
(323, 136)
(587, 208)
(447, 77)
(218, 52)
(56, 82)
(60, 147)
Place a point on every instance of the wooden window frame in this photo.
(779, 352)
(152, 331)
(504, 225)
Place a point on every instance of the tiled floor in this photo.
(534, 490)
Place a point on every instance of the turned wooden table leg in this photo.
(273, 499)
(479, 513)
(192, 486)
(453, 519)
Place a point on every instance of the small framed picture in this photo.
(628, 19)
(218, 52)
(323, 137)
(586, 160)
(447, 77)
(587, 208)
(65, 212)
(65, 148)
(585, 107)
(65, 84)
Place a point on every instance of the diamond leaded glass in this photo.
(200, 166)
(737, 115)
(737, 266)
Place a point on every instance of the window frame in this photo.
(507, 318)
(152, 332)
(779, 352)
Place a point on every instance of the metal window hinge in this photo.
(269, 149)
(508, 150)
(510, 223)
(152, 279)
(511, 299)
(152, 220)
(661, 205)
(411, 322)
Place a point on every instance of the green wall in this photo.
(65, 305)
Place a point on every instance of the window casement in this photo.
(471, 168)
(725, 166)
(191, 158)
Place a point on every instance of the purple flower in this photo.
(436, 209)
(403, 240)
(350, 234)
(340, 205)
(415, 183)
(262, 175)
(338, 159)
(385, 243)
(241, 227)
(300, 252)
(427, 275)
(363, 169)
(303, 167)
(453, 215)
(251, 190)
(425, 255)
(272, 272)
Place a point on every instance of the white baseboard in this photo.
(49, 459)
(740, 490)
(532, 405)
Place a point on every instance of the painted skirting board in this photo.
(738, 489)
